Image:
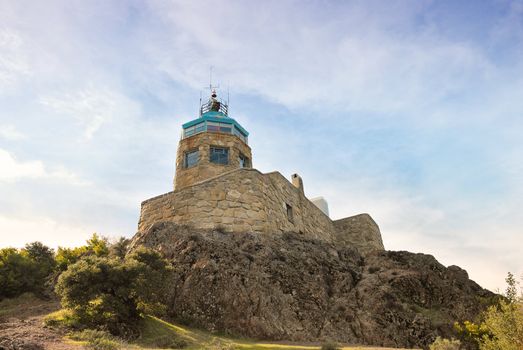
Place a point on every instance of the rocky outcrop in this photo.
(288, 287)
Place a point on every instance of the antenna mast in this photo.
(212, 87)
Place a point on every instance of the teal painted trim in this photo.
(216, 117)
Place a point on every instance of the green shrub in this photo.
(330, 346)
(501, 327)
(169, 342)
(445, 344)
(113, 293)
(96, 246)
(505, 327)
(119, 248)
(97, 340)
(62, 319)
(25, 270)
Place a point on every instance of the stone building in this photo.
(216, 187)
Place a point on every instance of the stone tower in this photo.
(211, 145)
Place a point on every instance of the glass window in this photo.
(199, 128)
(219, 155)
(239, 134)
(191, 158)
(189, 131)
(244, 161)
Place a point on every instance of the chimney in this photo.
(297, 182)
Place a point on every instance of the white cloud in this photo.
(89, 69)
(10, 133)
(13, 61)
(14, 170)
(91, 107)
(16, 232)
(360, 63)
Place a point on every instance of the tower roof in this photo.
(214, 117)
(217, 117)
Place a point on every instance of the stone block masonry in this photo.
(245, 200)
(206, 169)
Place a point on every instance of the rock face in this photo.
(289, 287)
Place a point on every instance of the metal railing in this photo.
(214, 105)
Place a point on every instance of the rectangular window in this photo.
(239, 134)
(199, 128)
(289, 212)
(191, 158)
(219, 155)
(244, 161)
(188, 132)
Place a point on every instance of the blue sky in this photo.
(411, 111)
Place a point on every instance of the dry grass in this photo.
(197, 339)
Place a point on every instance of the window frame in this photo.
(246, 161)
(227, 153)
(186, 155)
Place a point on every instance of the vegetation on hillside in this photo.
(99, 285)
(501, 325)
(25, 270)
(106, 292)
(114, 293)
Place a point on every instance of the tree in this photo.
(114, 293)
(96, 245)
(119, 248)
(505, 321)
(501, 327)
(25, 270)
(14, 276)
(68, 256)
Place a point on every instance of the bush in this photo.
(119, 248)
(61, 319)
(445, 344)
(25, 270)
(501, 327)
(113, 293)
(96, 246)
(97, 340)
(505, 326)
(169, 342)
(330, 346)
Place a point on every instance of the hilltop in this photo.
(292, 287)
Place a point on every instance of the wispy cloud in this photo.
(91, 107)
(10, 133)
(13, 62)
(409, 110)
(15, 170)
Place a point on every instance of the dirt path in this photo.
(21, 326)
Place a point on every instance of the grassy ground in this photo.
(197, 339)
(23, 318)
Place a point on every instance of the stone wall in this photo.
(245, 200)
(359, 231)
(242, 200)
(205, 169)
